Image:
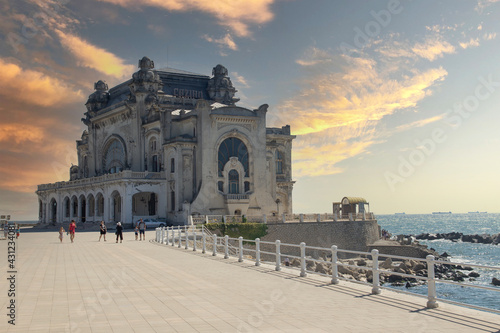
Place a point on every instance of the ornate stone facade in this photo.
(169, 143)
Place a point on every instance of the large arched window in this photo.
(114, 158)
(233, 147)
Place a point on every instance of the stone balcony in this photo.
(236, 198)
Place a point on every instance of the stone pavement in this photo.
(92, 286)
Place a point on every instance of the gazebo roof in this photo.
(355, 200)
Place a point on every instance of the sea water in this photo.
(467, 253)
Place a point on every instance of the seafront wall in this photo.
(347, 235)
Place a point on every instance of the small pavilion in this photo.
(350, 205)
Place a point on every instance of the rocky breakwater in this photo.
(458, 236)
(360, 269)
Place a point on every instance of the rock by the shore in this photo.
(495, 282)
(458, 236)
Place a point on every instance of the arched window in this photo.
(114, 159)
(172, 165)
(233, 147)
(234, 182)
(279, 162)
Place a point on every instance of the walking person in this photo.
(103, 230)
(61, 233)
(119, 232)
(142, 230)
(72, 227)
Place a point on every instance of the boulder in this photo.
(387, 264)
(311, 265)
(295, 262)
(418, 267)
(495, 282)
(361, 262)
(473, 274)
(320, 268)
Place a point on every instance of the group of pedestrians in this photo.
(140, 230)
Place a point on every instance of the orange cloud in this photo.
(226, 41)
(336, 114)
(236, 14)
(34, 87)
(91, 56)
(433, 48)
(19, 133)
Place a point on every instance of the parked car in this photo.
(152, 223)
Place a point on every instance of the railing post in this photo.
(240, 241)
(257, 251)
(180, 239)
(364, 216)
(167, 239)
(278, 255)
(265, 218)
(303, 259)
(186, 233)
(335, 268)
(215, 246)
(431, 283)
(226, 247)
(318, 218)
(284, 218)
(375, 271)
(301, 218)
(335, 217)
(203, 240)
(194, 240)
(350, 217)
(163, 235)
(173, 236)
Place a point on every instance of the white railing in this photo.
(283, 218)
(202, 238)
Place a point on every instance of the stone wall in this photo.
(355, 235)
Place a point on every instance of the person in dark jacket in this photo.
(119, 232)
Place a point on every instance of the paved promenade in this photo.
(92, 286)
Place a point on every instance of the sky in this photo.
(394, 101)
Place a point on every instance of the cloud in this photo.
(94, 57)
(433, 48)
(336, 113)
(237, 15)
(471, 43)
(314, 56)
(420, 123)
(490, 36)
(240, 79)
(34, 87)
(226, 41)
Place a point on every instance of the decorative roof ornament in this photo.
(146, 79)
(220, 88)
(97, 100)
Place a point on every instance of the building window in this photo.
(247, 187)
(221, 186)
(232, 147)
(234, 182)
(279, 163)
(172, 165)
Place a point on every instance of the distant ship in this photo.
(403, 213)
(478, 212)
(441, 212)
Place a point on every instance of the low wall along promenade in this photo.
(348, 235)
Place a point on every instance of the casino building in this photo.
(168, 144)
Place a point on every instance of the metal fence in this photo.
(199, 237)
